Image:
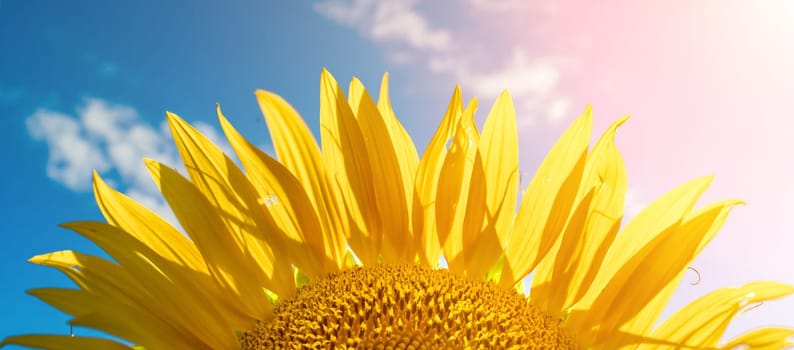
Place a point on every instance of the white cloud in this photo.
(558, 109)
(398, 21)
(532, 84)
(532, 81)
(521, 75)
(340, 11)
(513, 6)
(112, 139)
(105, 121)
(402, 57)
(138, 141)
(72, 155)
(499, 5)
(387, 21)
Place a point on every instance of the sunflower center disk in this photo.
(406, 307)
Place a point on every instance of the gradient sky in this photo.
(709, 85)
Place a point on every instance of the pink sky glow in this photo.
(710, 86)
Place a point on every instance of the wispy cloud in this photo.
(393, 22)
(112, 139)
(72, 155)
(410, 37)
(512, 6)
(531, 82)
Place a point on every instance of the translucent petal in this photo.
(407, 157)
(564, 275)
(155, 284)
(642, 288)
(236, 271)
(772, 338)
(494, 190)
(547, 202)
(236, 203)
(452, 198)
(287, 201)
(385, 178)
(346, 159)
(155, 296)
(427, 182)
(97, 312)
(63, 342)
(703, 322)
(297, 151)
(632, 244)
(132, 217)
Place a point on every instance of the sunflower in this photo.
(341, 246)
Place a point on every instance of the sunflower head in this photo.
(338, 245)
(399, 306)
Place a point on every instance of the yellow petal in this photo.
(347, 163)
(660, 216)
(702, 323)
(552, 273)
(385, 178)
(664, 212)
(494, 190)
(94, 311)
(635, 298)
(407, 157)
(169, 290)
(297, 151)
(93, 274)
(427, 182)
(123, 212)
(772, 338)
(452, 199)
(241, 276)
(235, 202)
(173, 283)
(287, 201)
(210, 322)
(550, 195)
(63, 342)
(565, 274)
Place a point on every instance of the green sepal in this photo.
(301, 279)
(494, 274)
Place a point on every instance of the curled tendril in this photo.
(753, 306)
(521, 186)
(698, 274)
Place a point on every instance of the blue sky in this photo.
(85, 86)
(77, 78)
(134, 63)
